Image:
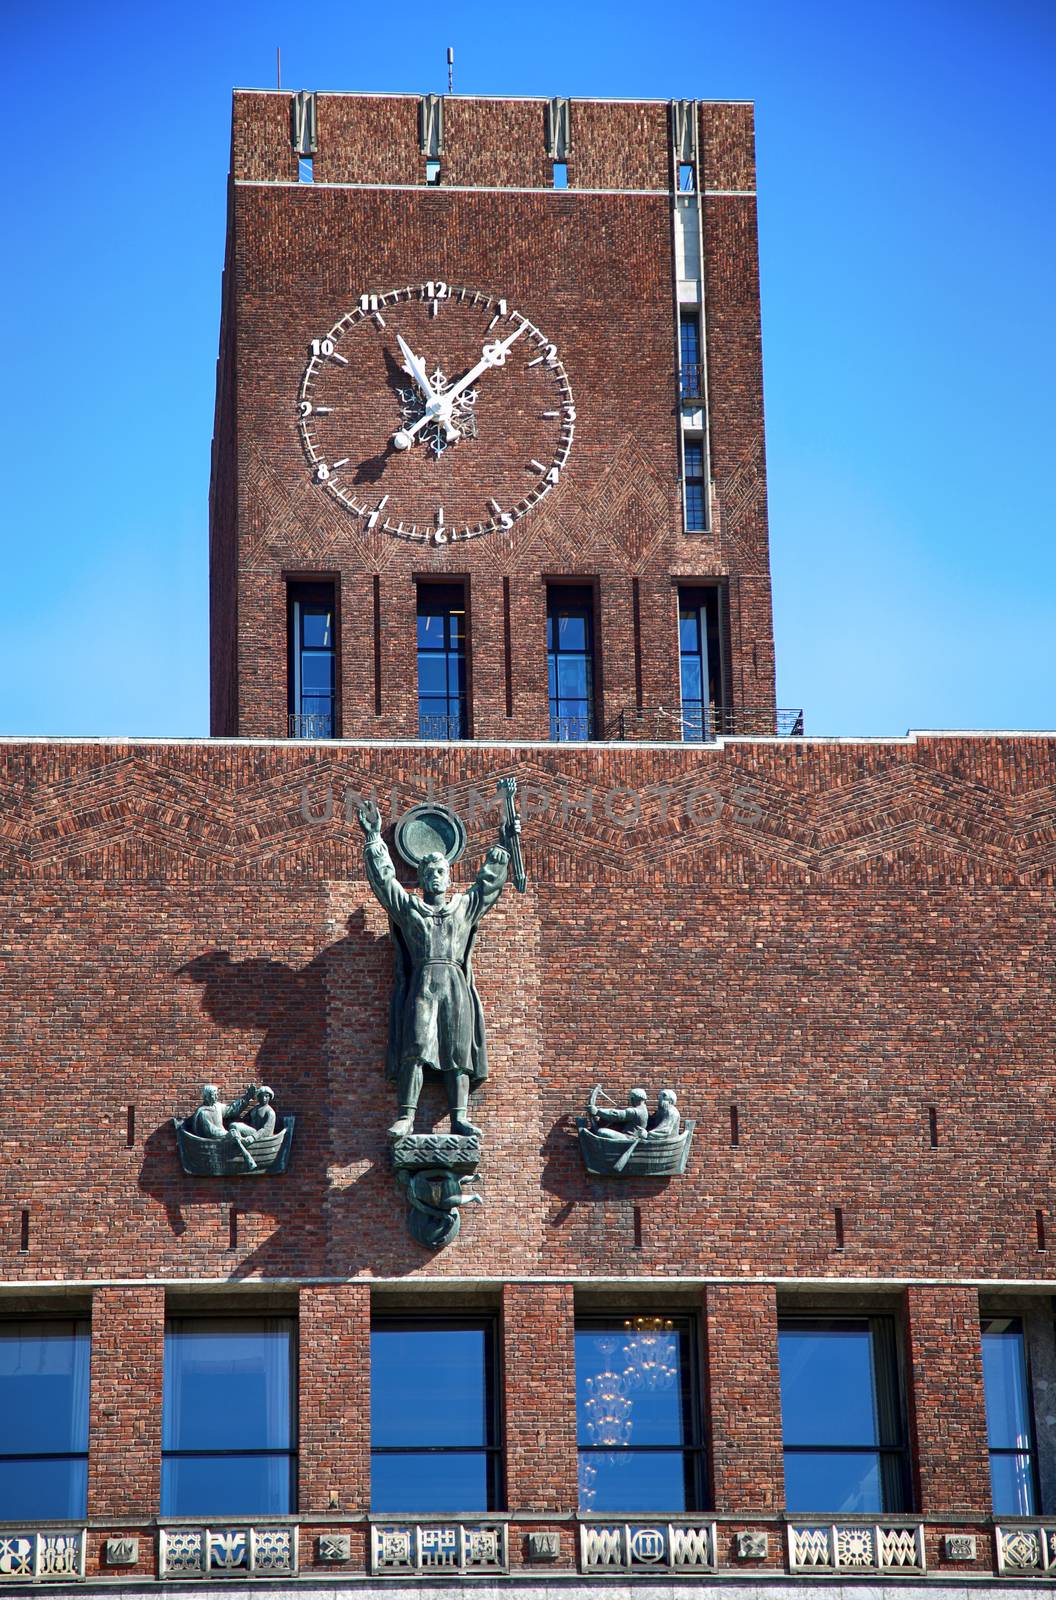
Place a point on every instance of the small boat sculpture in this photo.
(629, 1143)
(222, 1158)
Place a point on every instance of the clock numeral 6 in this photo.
(322, 472)
(322, 347)
(305, 408)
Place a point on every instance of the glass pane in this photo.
(572, 678)
(43, 1387)
(431, 631)
(694, 461)
(825, 1480)
(429, 1386)
(456, 675)
(1012, 1484)
(689, 630)
(438, 1482)
(690, 341)
(630, 1388)
(627, 1481)
(1005, 1381)
(227, 1386)
(317, 673)
(827, 1390)
(694, 505)
(226, 1486)
(692, 680)
(34, 1489)
(316, 628)
(572, 631)
(457, 630)
(432, 674)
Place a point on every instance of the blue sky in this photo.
(907, 232)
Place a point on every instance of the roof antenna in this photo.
(450, 70)
(278, 67)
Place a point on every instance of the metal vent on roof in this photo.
(304, 128)
(559, 128)
(684, 129)
(431, 126)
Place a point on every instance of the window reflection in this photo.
(433, 1417)
(570, 662)
(228, 1417)
(442, 675)
(841, 1415)
(637, 1418)
(312, 661)
(43, 1419)
(1010, 1433)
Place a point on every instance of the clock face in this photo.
(436, 413)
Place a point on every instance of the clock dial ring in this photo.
(501, 356)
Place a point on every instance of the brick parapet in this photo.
(947, 1404)
(127, 1366)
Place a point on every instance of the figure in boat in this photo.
(619, 1141)
(228, 1137)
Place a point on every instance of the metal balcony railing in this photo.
(440, 725)
(691, 383)
(699, 724)
(311, 725)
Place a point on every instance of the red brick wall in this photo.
(947, 1403)
(539, 1368)
(128, 1355)
(334, 1398)
(595, 271)
(743, 1391)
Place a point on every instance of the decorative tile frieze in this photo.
(1025, 1551)
(121, 1552)
(753, 1545)
(458, 1548)
(647, 1547)
(545, 1545)
(856, 1547)
(42, 1555)
(239, 1551)
(959, 1546)
(334, 1547)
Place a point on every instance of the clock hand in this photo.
(415, 368)
(493, 355)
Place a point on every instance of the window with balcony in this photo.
(570, 661)
(43, 1419)
(841, 1415)
(228, 1421)
(699, 656)
(638, 1415)
(691, 366)
(694, 483)
(434, 1418)
(1009, 1426)
(311, 623)
(442, 673)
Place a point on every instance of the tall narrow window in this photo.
(434, 1423)
(44, 1426)
(841, 1415)
(312, 661)
(1008, 1419)
(229, 1417)
(442, 678)
(696, 503)
(638, 1415)
(692, 371)
(699, 663)
(570, 661)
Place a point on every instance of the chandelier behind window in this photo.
(650, 1353)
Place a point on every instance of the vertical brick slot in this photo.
(735, 1126)
(636, 611)
(638, 1227)
(23, 1234)
(232, 1228)
(838, 1220)
(377, 647)
(130, 1126)
(933, 1126)
(507, 645)
(1039, 1223)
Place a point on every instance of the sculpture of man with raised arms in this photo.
(436, 1021)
